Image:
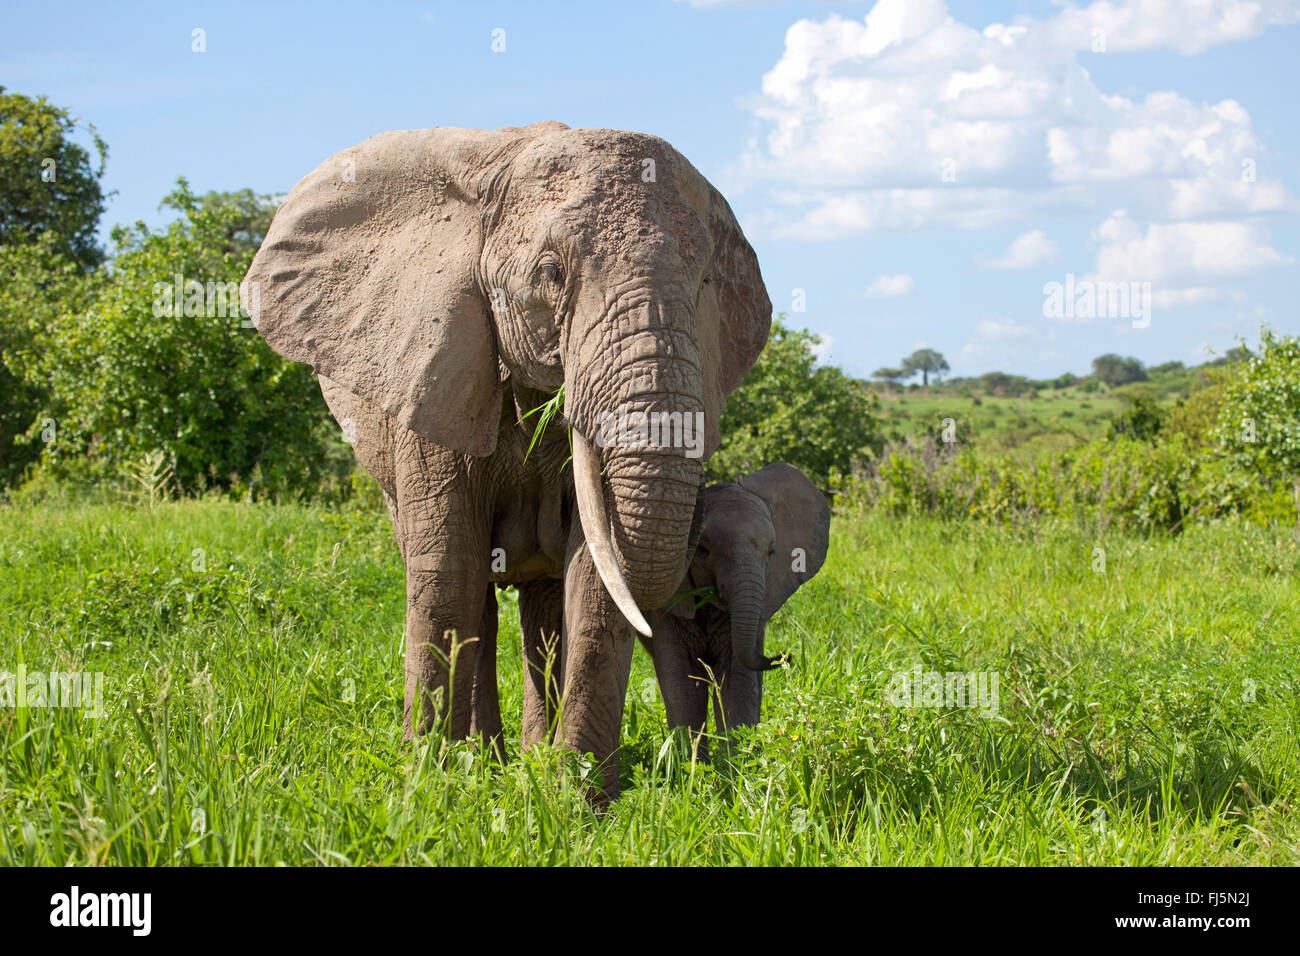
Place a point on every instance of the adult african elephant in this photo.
(444, 282)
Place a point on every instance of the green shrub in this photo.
(1259, 419)
(1139, 486)
(1141, 419)
(790, 409)
(133, 375)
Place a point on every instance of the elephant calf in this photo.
(762, 538)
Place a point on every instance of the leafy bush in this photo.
(1141, 419)
(1131, 485)
(135, 373)
(1259, 420)
(788, 409)
(38, 284)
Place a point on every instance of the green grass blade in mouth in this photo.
(548, 410)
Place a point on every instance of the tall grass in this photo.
(252, 660)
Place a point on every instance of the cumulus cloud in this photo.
(887, 286)
(1171, 261)
(1186, 26)
(1031, 249)
(908, 119)
(1170, 253)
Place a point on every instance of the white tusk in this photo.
(595, 525)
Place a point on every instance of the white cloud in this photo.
(908, 119)
(1166, 254)
(1004, 329)
(1187, 26)
(1031, 249)
(887, 286)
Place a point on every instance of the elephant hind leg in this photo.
(486, 719)
(541, 622)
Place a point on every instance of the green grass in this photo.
(1147, 715)
(1056, 419)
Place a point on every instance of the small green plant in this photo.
(546, 412)
(154, 476)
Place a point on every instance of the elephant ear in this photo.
(367, 275)
(734, 311)
(802, 521)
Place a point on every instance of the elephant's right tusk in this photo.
(595, 525)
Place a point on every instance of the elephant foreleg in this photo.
(739, 700)
(597, 656)
(444, 534)
(686, 700)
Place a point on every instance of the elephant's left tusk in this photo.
(595, 526)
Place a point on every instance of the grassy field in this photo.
(1052, 420)
(1147, 713)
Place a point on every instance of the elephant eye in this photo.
(551, 271)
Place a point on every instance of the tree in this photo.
(1233, 356)
(1000, 383)
(50, 204)
(1113, 370)
(144, 371)
(928, 362)
(1142, 419)
(38, 285)
(789, 409)
(1259, 420)
(892, 375)
(47, 182)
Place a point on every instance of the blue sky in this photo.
(920, 170)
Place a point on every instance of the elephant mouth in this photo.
(596, 529)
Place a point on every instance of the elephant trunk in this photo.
(639, 415)
(654, 504)
(745, 605)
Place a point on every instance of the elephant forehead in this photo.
(729, 510)
(619, 189)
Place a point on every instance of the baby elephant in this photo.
(762, 537)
